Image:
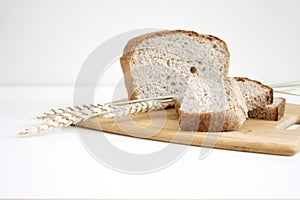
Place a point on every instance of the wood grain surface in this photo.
(260, 136)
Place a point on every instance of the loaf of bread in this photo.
(194, 68)
(274, 111)
(211, 105)
(160, 63)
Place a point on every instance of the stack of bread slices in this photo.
(194, 68)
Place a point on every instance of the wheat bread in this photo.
(256, 94)
(274, 111)
(181, 63)
(211, 105)
(159, 64)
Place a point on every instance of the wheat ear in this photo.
(58, 118)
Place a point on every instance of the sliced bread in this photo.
(211, 105)
(160, 63)
(256, 94)
(274, 111)
(192, 67)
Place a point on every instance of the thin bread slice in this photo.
(273, 112)
(160, 63)
(256, 94)
(211, 105)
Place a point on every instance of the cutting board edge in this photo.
(288, 150)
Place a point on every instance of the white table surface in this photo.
(56, 165)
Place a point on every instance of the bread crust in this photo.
(129, 52)
(269, 113)
(281, 109)
(177, 103)
(128, 77)
(270, 99)
(222, 121)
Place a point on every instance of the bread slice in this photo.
(160, 63)
(256, 94)
(274, 111)
(211, 105)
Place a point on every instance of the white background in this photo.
(44, 43)
(56, 165)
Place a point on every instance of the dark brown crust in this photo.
(275, 114)
(270, 99)
(177, 103)
(129, 52)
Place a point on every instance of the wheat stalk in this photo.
(58, 118)
(286, 84)
(290, 88)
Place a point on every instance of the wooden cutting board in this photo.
(260, 136)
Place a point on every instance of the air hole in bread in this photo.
(193, 70)
(214, 46)
(168, 77)
(168, 63)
